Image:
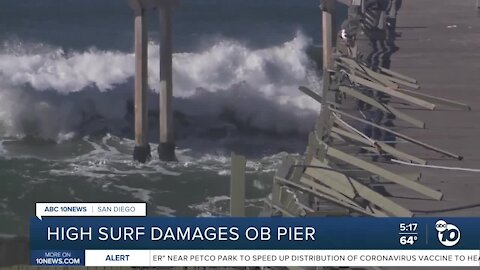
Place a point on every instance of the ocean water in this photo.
(66, 85)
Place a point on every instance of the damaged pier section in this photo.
(346, 172)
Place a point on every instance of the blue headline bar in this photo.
(254, 233)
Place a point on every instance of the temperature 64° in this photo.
(408, 239)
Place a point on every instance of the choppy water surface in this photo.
(66, 81)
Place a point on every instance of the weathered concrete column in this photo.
(327, 7)
(328, 11)
(141, 151)
(237, 186)
(166, 147)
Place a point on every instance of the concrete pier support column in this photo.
(237, 186)
(141, 151)
(166, 147)
(328, 11)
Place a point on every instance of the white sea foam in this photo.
(106, 161)
(164, 211)
(273, 70)
(7, 236)
(219, 206)
(138, 193)
(212, 206)
(66, 72)
(3, 151)
(261, 85)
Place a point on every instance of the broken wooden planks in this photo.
(337, 154)
(397, 75)
(316, 96)
(309, 190)
(383, 146)
(389, 81)
(392, 80)
(384, 107)
(439, 100)
(400, 135)
(351, 188)
(393, 93)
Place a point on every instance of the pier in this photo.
(432, 167)
(439, 48)
(166, 148)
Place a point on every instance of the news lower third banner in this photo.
(225, 241)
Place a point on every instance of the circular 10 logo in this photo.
(448, 234)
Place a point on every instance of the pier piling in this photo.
(141, 151)
(237, 186)
(166, 147)
(328, 10)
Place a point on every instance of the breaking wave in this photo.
(49, 93)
